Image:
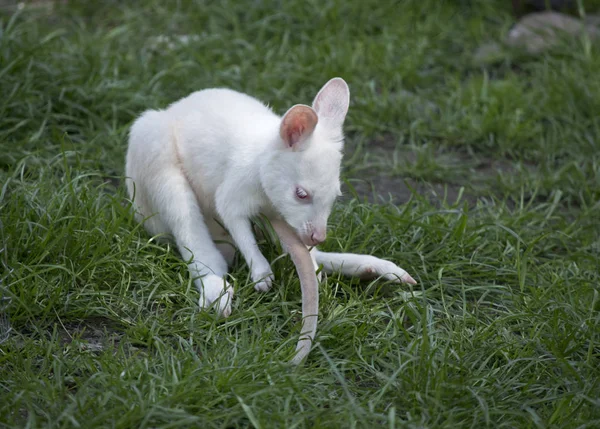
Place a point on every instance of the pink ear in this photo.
(332, 101)
(297, 124)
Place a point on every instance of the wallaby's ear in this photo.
(332, 101)
(297, 124)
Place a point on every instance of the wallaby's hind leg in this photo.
(153, 224)
(177, 208)
(221, 238)
(363, 266)
(161, 190)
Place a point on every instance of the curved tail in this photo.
(308, 283)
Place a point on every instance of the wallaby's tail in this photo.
(308, 284)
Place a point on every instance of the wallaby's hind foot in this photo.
(363, 266)
(214, 290)
(374, 267)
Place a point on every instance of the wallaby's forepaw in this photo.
(214, 290)
(375, 267)
(263, 281)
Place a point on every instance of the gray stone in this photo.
(538, 32)
(487, 53)
(592, 20)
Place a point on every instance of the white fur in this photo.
(217, 158)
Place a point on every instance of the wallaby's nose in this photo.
(317, 237)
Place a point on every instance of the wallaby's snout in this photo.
(317, 237)
(313, 237)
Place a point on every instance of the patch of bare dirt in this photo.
(378, 188)
(93, 334)
(463, 176)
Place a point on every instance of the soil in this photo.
(92, 334)
(471, 177)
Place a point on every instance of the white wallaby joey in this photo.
(201, 169)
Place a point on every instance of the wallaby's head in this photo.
(302, 176)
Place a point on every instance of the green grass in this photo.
(502, 330)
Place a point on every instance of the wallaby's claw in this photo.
(265, 282)
(386, 269)
(399, 276)
(408, 279)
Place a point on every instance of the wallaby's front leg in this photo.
(240, 230)
(235, 205)
(363, 266)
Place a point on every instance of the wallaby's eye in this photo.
(301, 193)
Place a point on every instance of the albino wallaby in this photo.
(202, 168)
